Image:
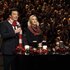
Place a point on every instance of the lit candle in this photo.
(44, 47)
(34, 49)
(27, 47)
(40, 45)
(34, 41)
(44, 41)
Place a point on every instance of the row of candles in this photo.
(39, 49)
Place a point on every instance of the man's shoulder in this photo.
(3, 22)
(6, 21)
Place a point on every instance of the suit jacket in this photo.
(10, 39)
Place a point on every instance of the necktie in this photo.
(14, 24)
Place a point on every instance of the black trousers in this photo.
(9, 62)
(20, 62)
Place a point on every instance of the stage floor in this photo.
(41, 61)
(1, 62)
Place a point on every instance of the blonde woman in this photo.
(33, 31)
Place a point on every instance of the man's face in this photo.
(14, 15)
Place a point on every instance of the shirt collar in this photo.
(10, 21)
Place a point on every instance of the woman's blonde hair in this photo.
(30, 18)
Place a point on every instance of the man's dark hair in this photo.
(13, 9)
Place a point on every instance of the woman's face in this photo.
(34, 20)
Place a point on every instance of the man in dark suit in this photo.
(10, 39)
